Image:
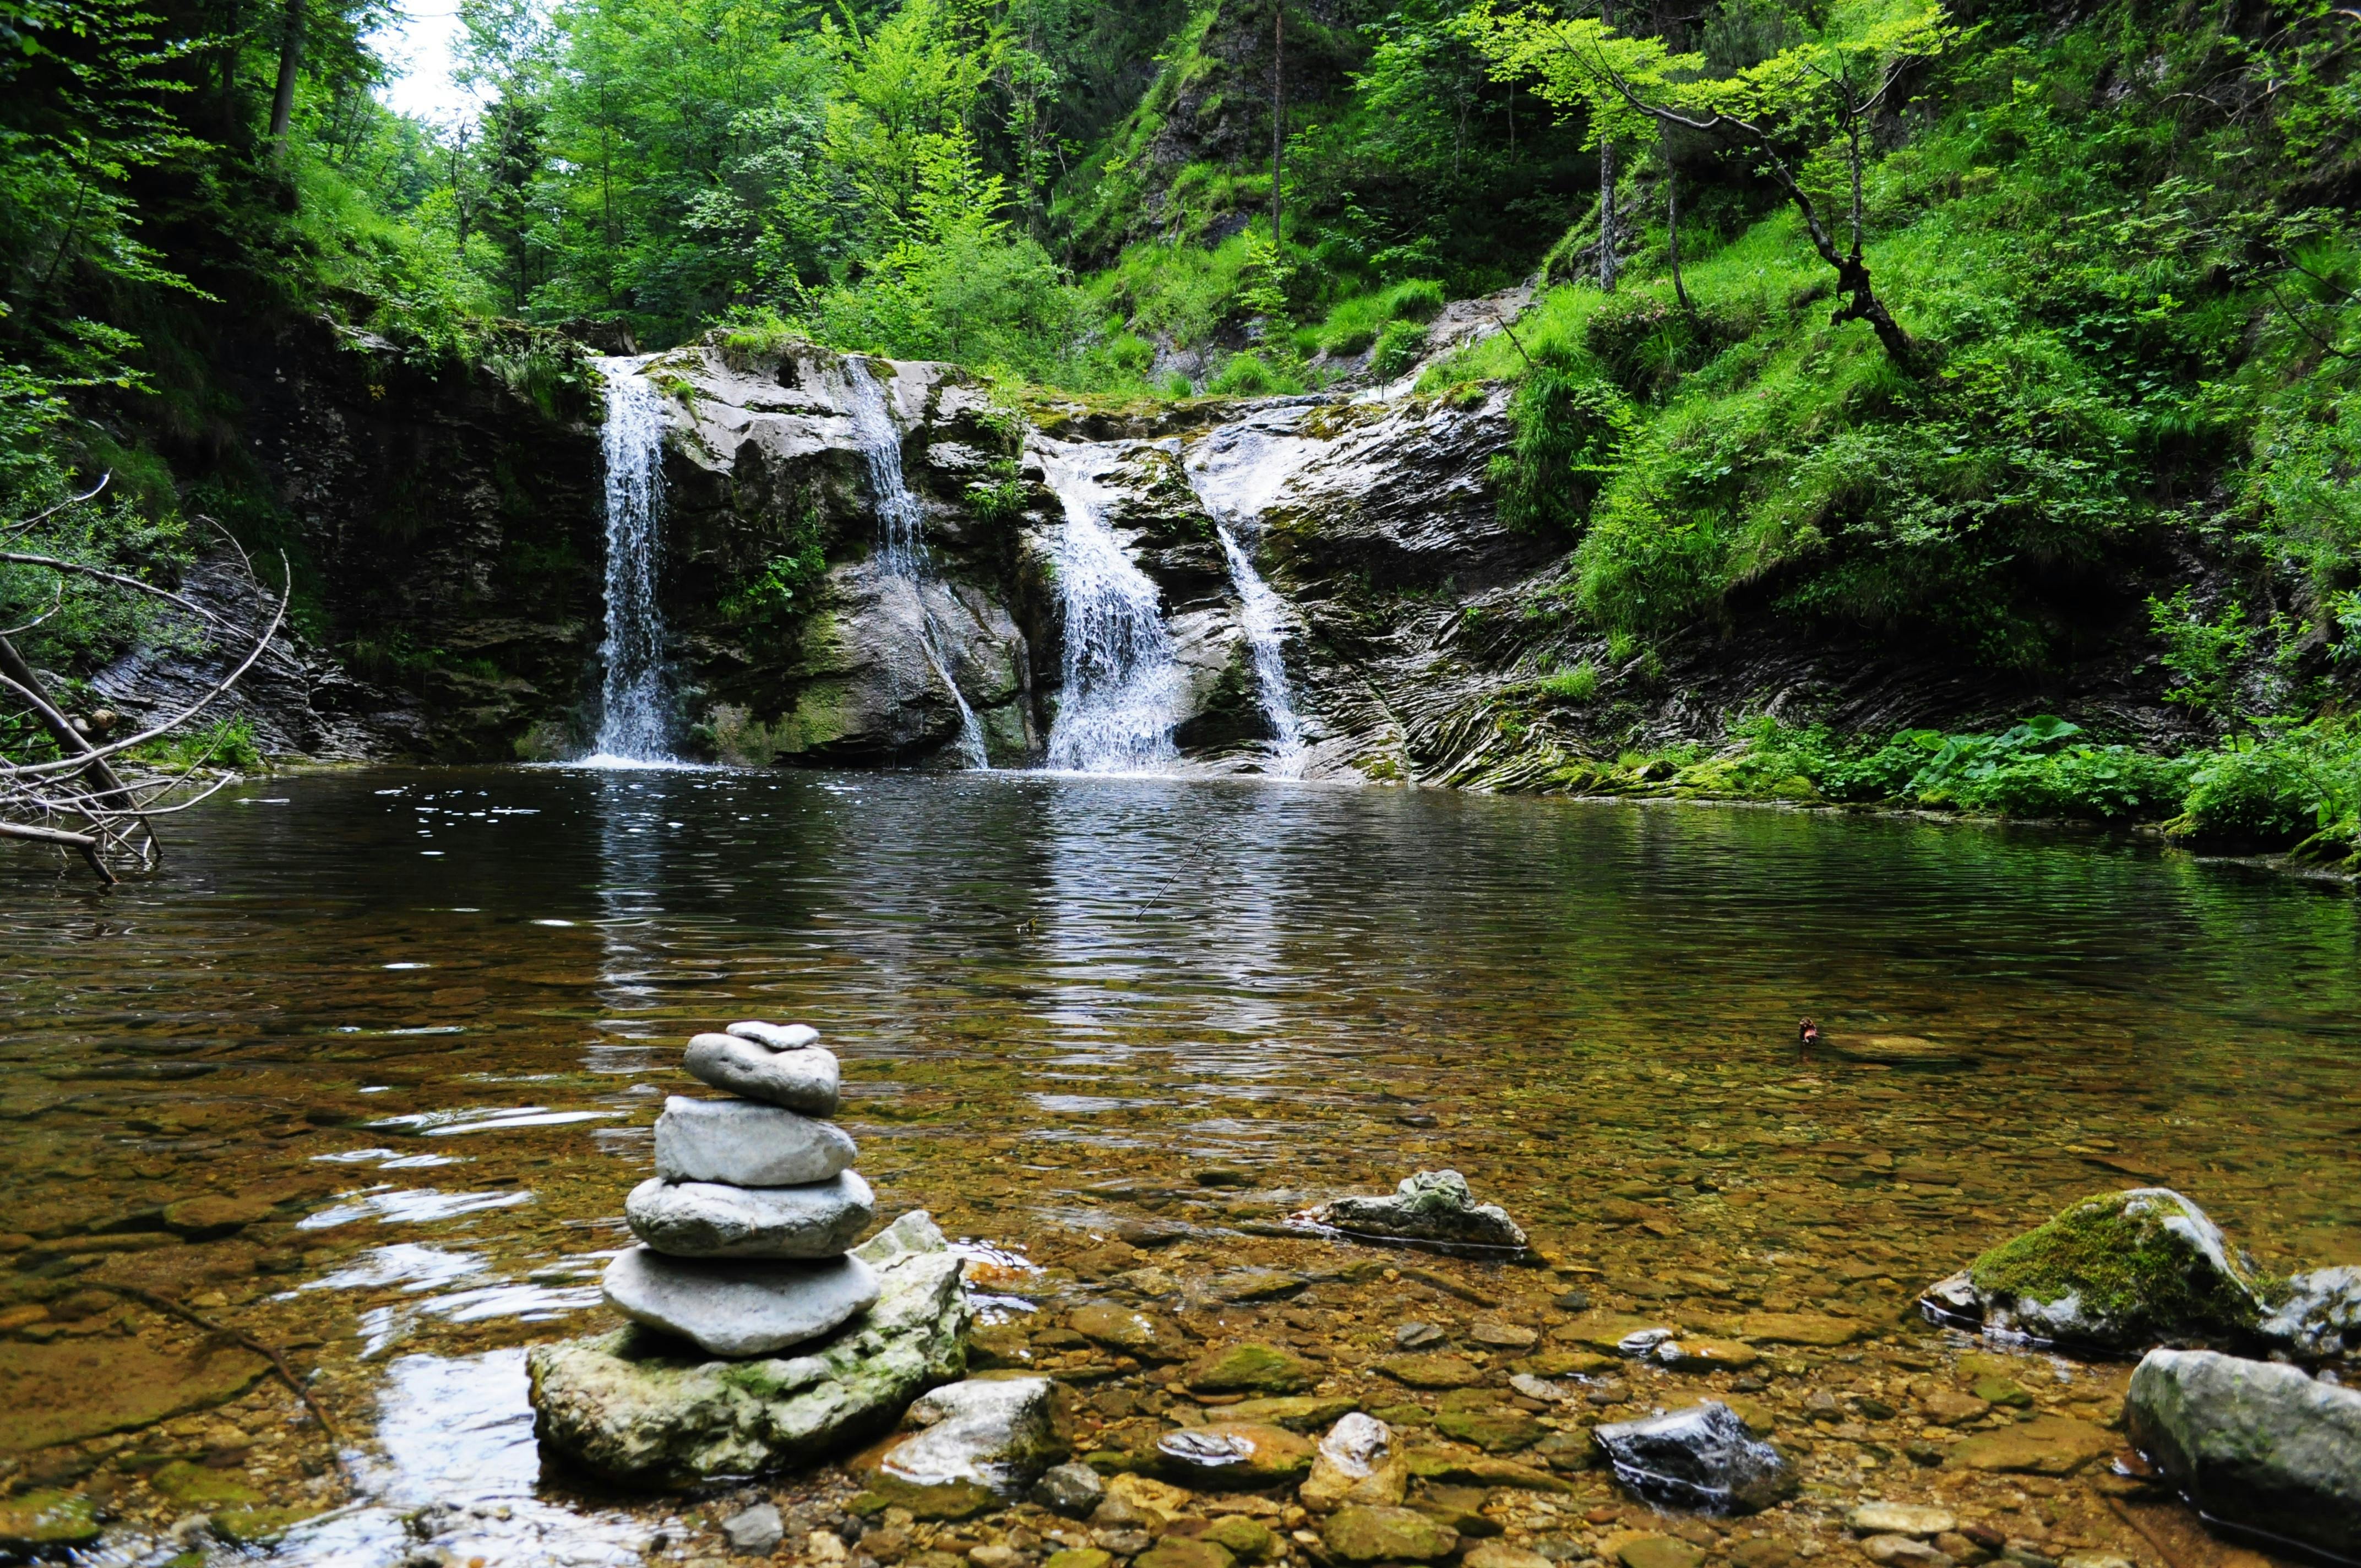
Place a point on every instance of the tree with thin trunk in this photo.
(290, 59)
(1278, 107)
(1607, 179)
(1816, 97)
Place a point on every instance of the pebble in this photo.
(1900, 1519)
(756, 1532)
(1072, 1489)
(1904, 1552)
(737, 1309)
(708, 1219)
(739, 1144)
(777, 1036)
(1412, 1336)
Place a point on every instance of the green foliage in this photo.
(2288, 786)
(2204, 653)
(1579, 684)
(788, 584)
(1568, 427)
(226, 743)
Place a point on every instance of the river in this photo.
(420, 1022)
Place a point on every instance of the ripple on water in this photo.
(408, 1206)
(455, 1471)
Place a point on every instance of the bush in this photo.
(1250, 376)
(1399, 348)
(2277, 790)
(1578, 685)
(1568, 426)
(1419, 300)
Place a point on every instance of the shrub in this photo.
(1578, 685)
(1418, 300)
(1399, 348)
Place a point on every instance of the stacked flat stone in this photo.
(745, 1226)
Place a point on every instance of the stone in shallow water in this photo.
(2046, 1445)
(804, 1079)
(2321, 1313)
(632, 1407)
(988, 1435)
(740, 1144)
(1359, 1534)
(707, 1219)
(1432, 1206)
(1698, 1458)
(2116, 1272)
(738, 1308)
(2255, 1443)
(71, 1389)
(1900, 1519)
(1239, 1455)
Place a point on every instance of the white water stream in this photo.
(1120, 698)
(632, 721)
(1237, 472)
(902, 536)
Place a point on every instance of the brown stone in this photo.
(1383, 1535)
(1800, 1328)
(2046, 1445)
(1439, 1371)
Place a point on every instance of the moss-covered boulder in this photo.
(2117, 1272)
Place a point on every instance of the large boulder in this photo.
(2118, 1272)
(969, 1445)
(2253, 1444)
(637, 1408)
(1701, 1458)
(1432, 1207)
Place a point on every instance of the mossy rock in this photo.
(37, 1522)
(255, 1527)
(194, 1486)
(1250, 1369)
(2120, 1272)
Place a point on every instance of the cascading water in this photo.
(632, 716)
(902, 537)
(1120, 697)
(1235, 474)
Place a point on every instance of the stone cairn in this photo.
(745, 1226)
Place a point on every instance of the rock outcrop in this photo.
(2118, 1272)
(2258, 1445)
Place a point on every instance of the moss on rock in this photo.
(2119, 1271)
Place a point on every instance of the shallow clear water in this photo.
(432, 1015)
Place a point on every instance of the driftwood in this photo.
(79, 800)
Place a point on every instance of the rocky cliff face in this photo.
(874, 563)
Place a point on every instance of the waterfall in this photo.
(632, 716)
(1263, 617)
(1236, 473)
(902, 536)
(1119, 701)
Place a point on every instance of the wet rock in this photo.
(1461, 1508)
(1142, 1335)
(1296, 1412)
(1361, 1534)
(1355, 1464)
(1432, 1206)
(1236, 1454)
(1249, 1541)
(1257, 1285)
(1249, 1369)
(214, 1215)
(41, 1524)
(2120, 1271)
(1904, 1552)
(1762, 1551)
(1475, 1416)
(1072, 1489)
(75, 1388)
(1180, 1551)
(1699, 1458)
(2255, 1443)
(796, 1078)
(756, 1531)
(2319, 1314)
(1439, 1371)
(630, 1407)
(740, 1144)
(1948, 1406)
(1658, 1552)
(1801, 1327)
(1416, 1336)
(1501, 1336)
(1900, 1519)
(1080, 1557)
(735, 1308)
(1500, 1554)
(989, 1435)
(1706, 1355)
(2046, 1445)
(775, 1037)
(707, 1219)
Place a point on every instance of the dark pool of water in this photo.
(431, 1015)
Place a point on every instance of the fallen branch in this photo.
(279, 1363)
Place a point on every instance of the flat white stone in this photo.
(778, 1036)
(740, 1144)
(804, 1079)
(739, 1308)
(706, 1219)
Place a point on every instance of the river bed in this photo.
(406, 1033)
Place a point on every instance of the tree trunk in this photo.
(291, 56)
(1672, 237)
(1606, 217)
